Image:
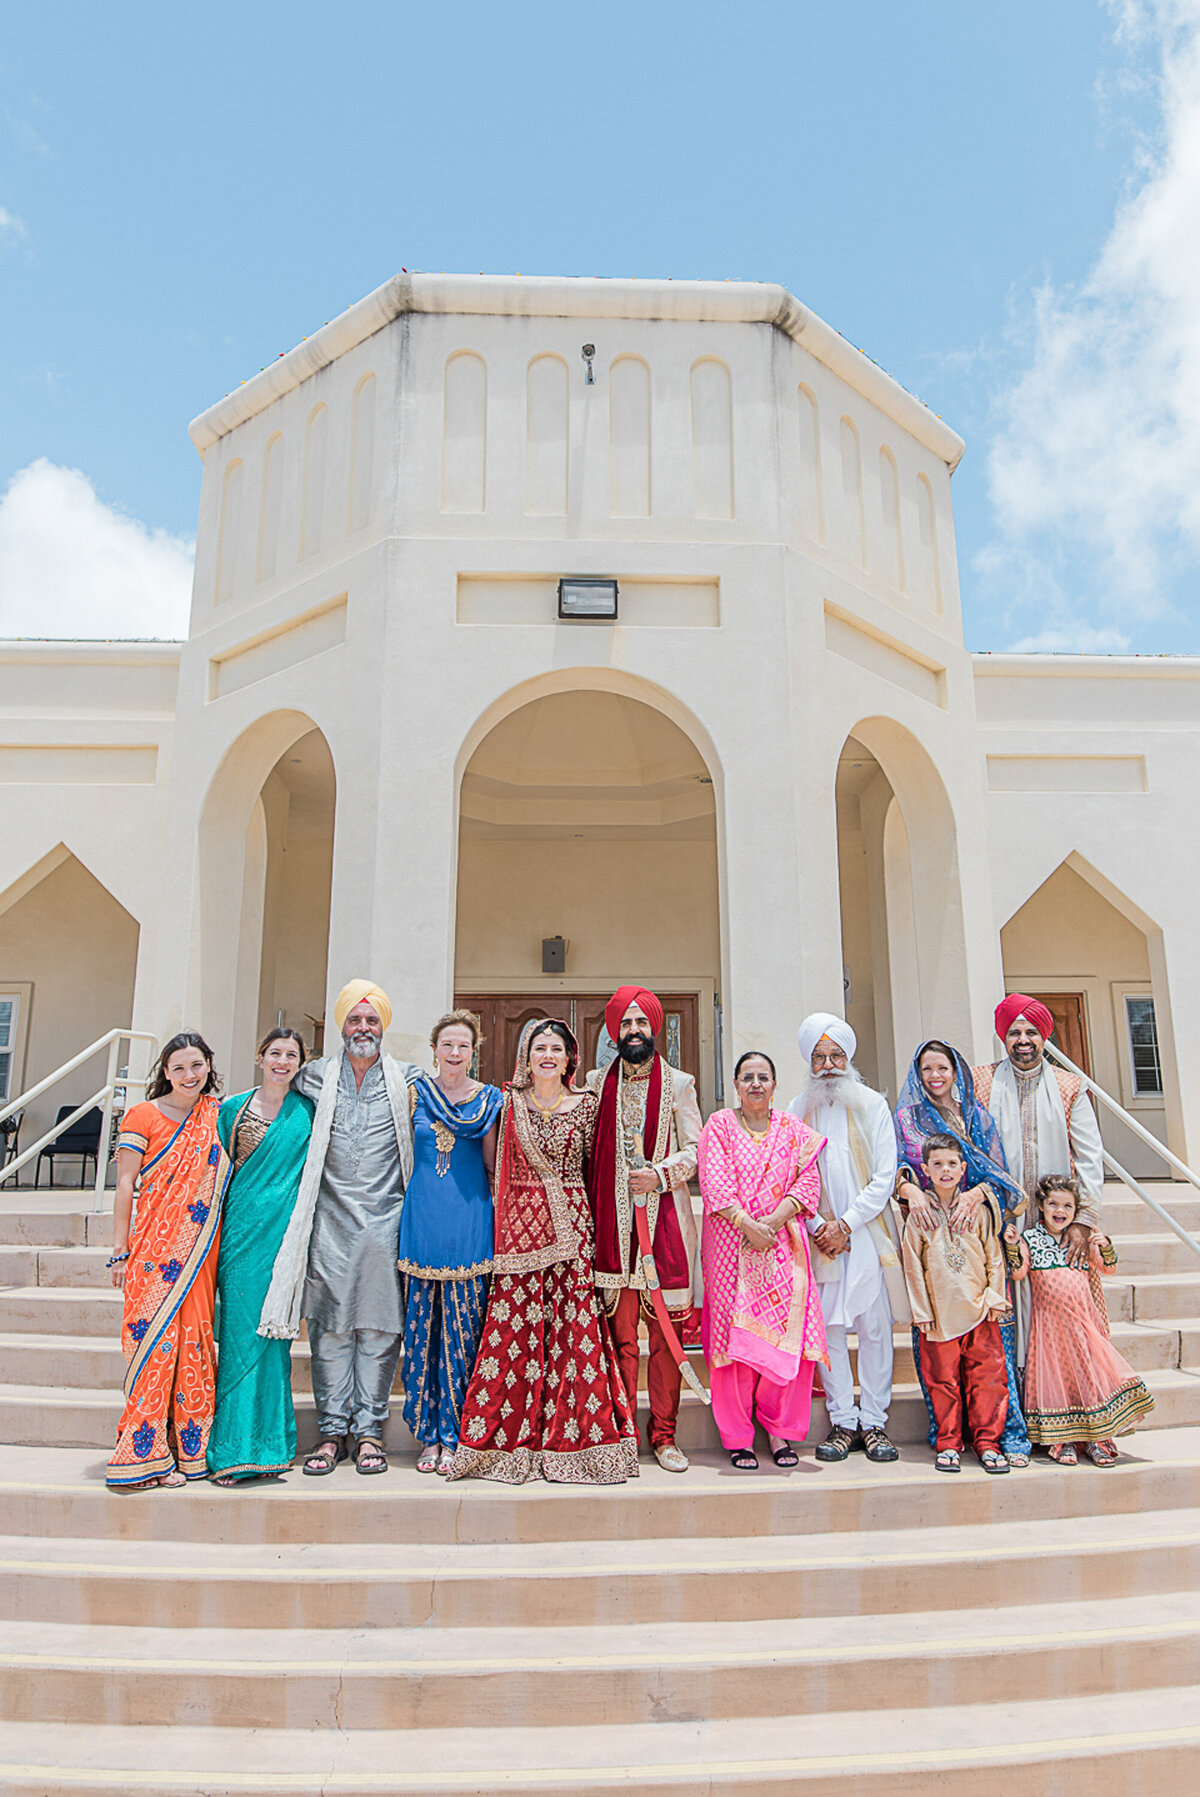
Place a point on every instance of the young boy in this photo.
(956, 1284)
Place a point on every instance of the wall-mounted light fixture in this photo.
(589, 600)
(588, 352)
(554, 954)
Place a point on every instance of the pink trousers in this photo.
(738, 1392)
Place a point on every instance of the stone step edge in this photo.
(668, 1757)
(602, 1559)
(1098, 1622)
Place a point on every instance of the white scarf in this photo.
(280, 1318)
(1054, 1142)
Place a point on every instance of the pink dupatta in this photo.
(760, 1307)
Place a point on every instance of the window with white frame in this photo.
(10, 1012)
(1144, 1057)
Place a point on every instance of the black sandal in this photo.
(369, 1456)
(786, 1455)
(321, 1462)
(744, 1459)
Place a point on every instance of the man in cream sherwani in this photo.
(1046, 1122)
(857, 1260)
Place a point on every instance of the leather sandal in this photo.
(369, 1456)
(992, 1461)
(744, 1459)
(321, 1462)
(949, 1460)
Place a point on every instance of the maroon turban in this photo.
(620, 1002)
(1019, 1004)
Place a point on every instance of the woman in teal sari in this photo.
(265, 1133)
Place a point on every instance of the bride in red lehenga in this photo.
(546, 1398)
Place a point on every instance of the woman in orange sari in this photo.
(167, 1265)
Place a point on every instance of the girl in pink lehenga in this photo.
(1078, 1389)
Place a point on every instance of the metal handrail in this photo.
(1114, 1165)
(1139, 1191)
(114, 1082)
(1118, 1110)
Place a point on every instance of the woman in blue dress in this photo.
(446, 1234)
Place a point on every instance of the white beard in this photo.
(847, 1089)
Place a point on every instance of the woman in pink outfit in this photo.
(762, 1331)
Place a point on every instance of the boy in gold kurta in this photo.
(956, 1285)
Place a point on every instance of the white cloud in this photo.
(1095, 472)
(12, 228)
(71, 566)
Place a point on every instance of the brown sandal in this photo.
(369, 1456)
(321, 1462)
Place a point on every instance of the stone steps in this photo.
(625, 1673)
(60, 1492)
(577, 1583)
(1135, 1744)
(884, 1628)
(65, 1416)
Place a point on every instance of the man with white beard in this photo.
(854, 1237)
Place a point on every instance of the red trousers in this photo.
(663, 1378)
(972, 1364)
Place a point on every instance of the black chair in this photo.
(82, 1139)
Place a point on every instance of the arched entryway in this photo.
(903, 943)
(1095, 959)
(68, 960)
(589, 815)
(267, 839)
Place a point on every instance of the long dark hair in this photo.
(553, 1027)
(282, 1034)
(160, 1085)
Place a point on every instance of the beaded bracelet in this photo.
(116, 1259)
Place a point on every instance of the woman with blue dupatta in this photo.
(265, 1133)
(446, 1235)
(938, 1097)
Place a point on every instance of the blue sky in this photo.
(980, 197)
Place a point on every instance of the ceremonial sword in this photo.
(650, 1275)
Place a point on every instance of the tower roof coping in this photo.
(553, 296)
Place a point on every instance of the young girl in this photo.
(1078, 1389)
(168, 1149)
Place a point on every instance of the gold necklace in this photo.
(547, 1110)
(756, 1135)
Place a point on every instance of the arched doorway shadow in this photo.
(589, 811)
(1097, 960)
(266, 844)
(903, 936)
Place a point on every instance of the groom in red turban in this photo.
(1047, 1125)
(645, 1143)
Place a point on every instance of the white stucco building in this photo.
(776, 778)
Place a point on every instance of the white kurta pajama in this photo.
(854, 1297)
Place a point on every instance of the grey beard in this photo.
(362, 1045)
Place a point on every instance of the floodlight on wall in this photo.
(588, 600)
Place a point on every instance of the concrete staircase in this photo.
(881, 1627)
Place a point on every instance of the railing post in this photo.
(110, 1082)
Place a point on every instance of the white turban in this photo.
(824, 1023)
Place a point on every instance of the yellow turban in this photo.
(356, 993)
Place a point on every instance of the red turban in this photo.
(620, 1002)
(1019, 1004)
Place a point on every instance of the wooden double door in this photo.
(502, 1017)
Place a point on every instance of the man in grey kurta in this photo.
(352, 1290)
